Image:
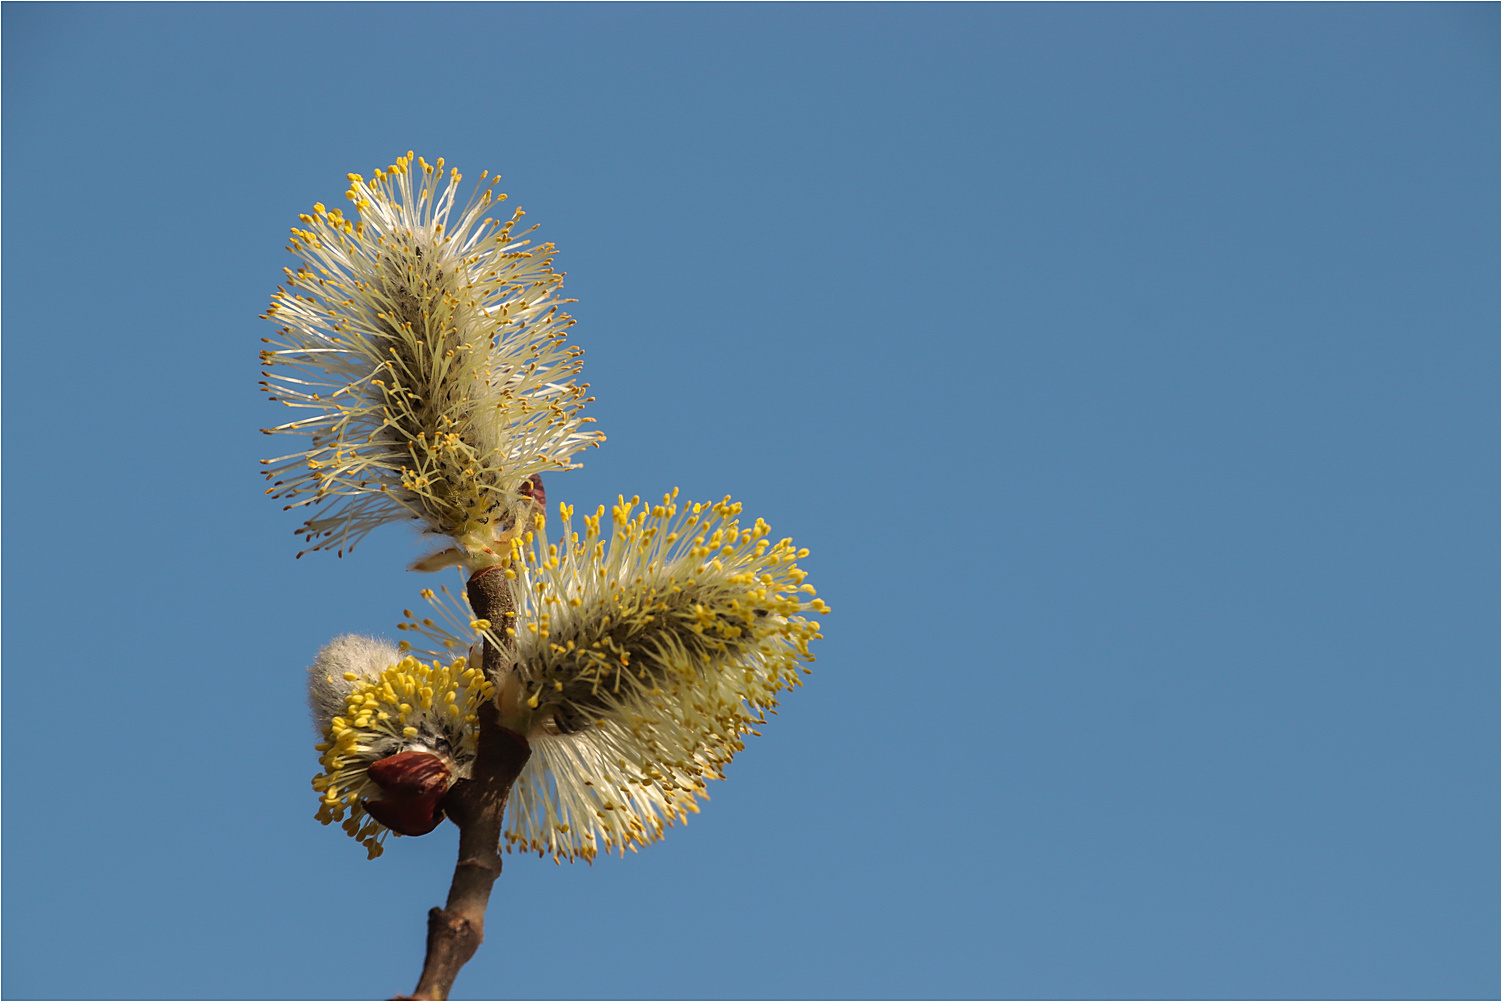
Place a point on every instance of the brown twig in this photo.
(477, 805)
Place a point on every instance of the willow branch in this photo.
(477, 805)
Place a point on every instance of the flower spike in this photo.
(646, 649)
(425, 343)
(396, 734)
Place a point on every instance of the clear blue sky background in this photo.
(1130, 371)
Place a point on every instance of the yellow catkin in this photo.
(376, 723)
(658, 643)
(425, 350)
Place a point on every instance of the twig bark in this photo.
(477, 805)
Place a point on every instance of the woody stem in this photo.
(477, 805)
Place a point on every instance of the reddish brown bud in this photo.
(532, 488)
(414, 782)
(413, 773)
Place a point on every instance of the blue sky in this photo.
(1131, 372)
